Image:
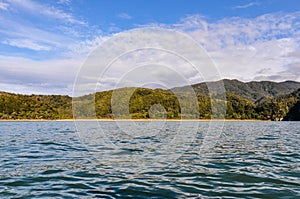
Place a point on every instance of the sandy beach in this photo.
(136, 120)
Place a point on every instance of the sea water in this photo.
(54, 160)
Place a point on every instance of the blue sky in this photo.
(44, 43)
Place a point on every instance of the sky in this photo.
(43, 44)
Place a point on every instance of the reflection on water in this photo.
(249, 160)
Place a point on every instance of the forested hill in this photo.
(294, 110)
(16, 106)
(252, 100)
(252, 91)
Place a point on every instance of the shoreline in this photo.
(136, 120)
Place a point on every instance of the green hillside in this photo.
(253, 100)
(252, 91)
(16, 106)
(294, 111)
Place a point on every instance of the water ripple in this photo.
(250, 160)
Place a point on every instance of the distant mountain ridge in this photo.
(263, 100)
(252, 91)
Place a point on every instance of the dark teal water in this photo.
(249, 160)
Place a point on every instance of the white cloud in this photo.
(261, 48)
(65, 2)
(54, 35)
(56, 76)
(124, 16)
(241, 47)
(25, 43)
(46, 10)
(155, 58)
(44, 33)
(83, 48)
(33, 37)
(260, 59)
(246, 5)
(4, 6)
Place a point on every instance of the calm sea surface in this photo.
(53, 160)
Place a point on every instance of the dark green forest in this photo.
(16, 106)
(253, 100)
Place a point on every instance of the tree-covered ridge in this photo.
(252, 100)
(294, 109)
(252, 91)
(16, 106)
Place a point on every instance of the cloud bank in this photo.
(263, 48)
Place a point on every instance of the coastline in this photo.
(136, 120)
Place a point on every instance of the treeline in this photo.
(15, 106)
(144, 103)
